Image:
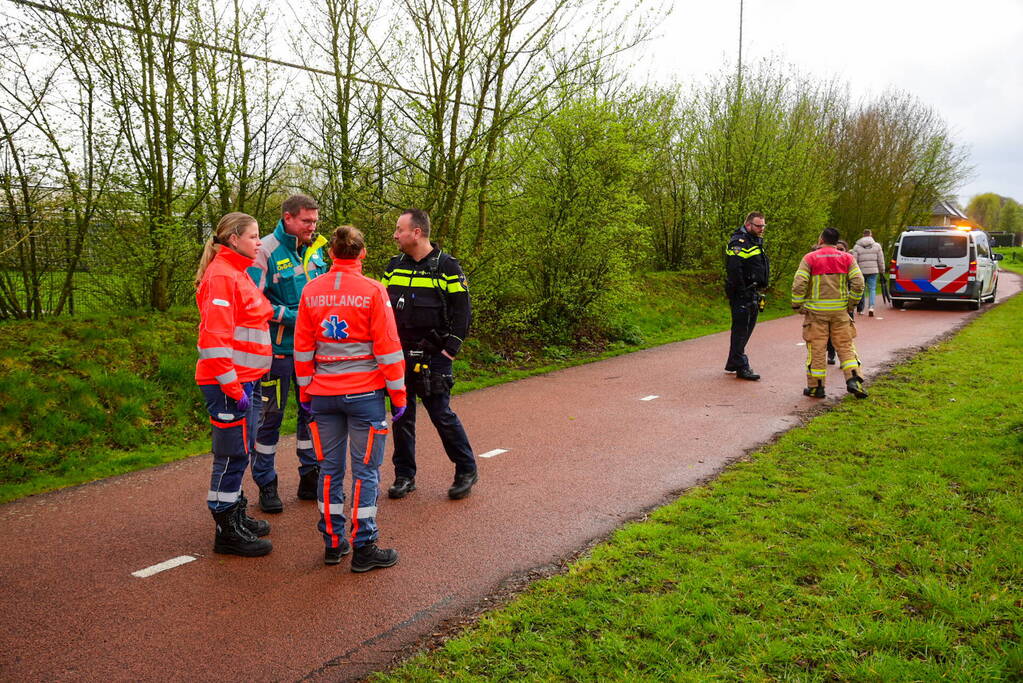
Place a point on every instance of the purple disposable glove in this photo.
(307, 406)
(397, 413)
(244, 402)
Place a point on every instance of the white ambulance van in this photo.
(943, 264)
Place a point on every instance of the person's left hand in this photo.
(306, 406)
(396, 413)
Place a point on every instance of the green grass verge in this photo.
(1013, 258)
(105, 394)
(881, 542)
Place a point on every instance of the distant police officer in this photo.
(288, 258)
(431, 305)
(747, 272)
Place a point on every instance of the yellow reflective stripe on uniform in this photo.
(827, 305)
(814, 372)
(310, 250)
(851, 363)
(750, 251)
(423, 283)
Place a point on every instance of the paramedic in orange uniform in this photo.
(234, 352)
(347, 357)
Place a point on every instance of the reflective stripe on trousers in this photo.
(353, 425)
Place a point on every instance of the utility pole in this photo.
(740, 41)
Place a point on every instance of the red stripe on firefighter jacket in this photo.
(234, 337)
(346, 341)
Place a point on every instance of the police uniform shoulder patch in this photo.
(736, 250)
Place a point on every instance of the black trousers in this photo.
(744, 318)
(445, 421)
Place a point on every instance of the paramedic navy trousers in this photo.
(354, 424)
(233, 440)
(276, 387)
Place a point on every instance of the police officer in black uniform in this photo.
(747, 271)
(431, 305)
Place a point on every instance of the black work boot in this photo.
(334, 555)
(269, 501)
(369, 556)
(401, 487)
(854, 385)
(747, 373)
(815, 392)
(257, 527)
(462, 485)
(234, 539)
(307, 484)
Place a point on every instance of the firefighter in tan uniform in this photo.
(826, 288)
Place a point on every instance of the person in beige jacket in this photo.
(826, 287)
(870, 258)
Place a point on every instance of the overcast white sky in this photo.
(965, 59)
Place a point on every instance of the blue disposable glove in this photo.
(396, 413)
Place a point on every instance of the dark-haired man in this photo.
(826, 288)
(431, 305)
(288, 258)
(747, 271)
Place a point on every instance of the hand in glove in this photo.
(396, 413)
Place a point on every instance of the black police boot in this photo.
(256, 527)
(234, 539)
(369, 556)
(402, 487)
(747, 373)
(815, 392)
(854, 385)
(334, 555)
(462, 485)
(307, 484)
(269, 501)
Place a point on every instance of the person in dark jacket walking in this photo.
(431, 304)
(747, 272)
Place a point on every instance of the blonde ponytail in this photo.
(208, 252)
(234, 223)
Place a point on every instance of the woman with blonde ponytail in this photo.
(234, 352)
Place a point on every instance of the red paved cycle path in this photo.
(583, 454)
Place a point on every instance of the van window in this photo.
(933, 246)
(982, 248)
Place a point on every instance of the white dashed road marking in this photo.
(651, 397)
(163, 566)
(496, 451)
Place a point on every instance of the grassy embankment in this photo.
(881, 541)
(91, 397)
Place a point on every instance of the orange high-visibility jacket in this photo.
(234, 337)
(346, 341)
